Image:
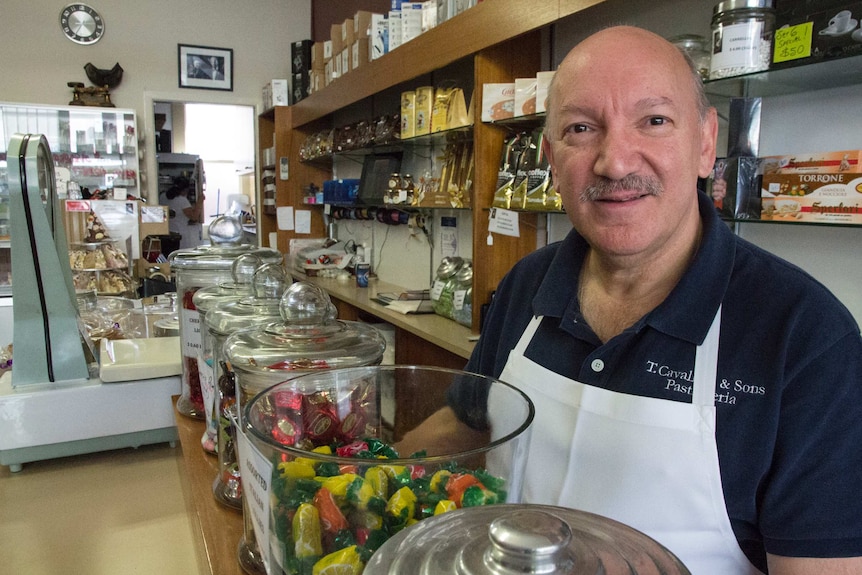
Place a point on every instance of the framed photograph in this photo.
(205, 68)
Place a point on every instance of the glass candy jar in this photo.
(308, 338)
(197, 268)
(261, 307)
(242, 271)
(462, 295)
(442, 289)
(741, 37)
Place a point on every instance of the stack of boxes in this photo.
(300, 69)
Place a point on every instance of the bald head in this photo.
(627, 50)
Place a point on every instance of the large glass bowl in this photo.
(340, 485)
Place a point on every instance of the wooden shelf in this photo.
(486, 24)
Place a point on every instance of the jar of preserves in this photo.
(741, 37)
(198, 268)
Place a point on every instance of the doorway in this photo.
(221, 136)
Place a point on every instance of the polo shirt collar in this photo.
(702, 287)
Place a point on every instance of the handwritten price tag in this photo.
(793, 42)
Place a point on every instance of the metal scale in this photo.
(53, 403)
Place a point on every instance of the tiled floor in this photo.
(118, 512)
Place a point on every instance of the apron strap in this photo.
(706, 365)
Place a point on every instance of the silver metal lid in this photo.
(225, 233)
(524, 539)
(729, 5)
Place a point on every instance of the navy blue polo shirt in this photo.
(789, 388)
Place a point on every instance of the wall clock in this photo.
(82, 24)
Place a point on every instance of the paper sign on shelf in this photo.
(504, 222)
(284, 215)
(256, 472)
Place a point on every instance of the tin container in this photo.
(308, 338)
(337, 492)
(741, 37)
(198, 268)
(524, 539)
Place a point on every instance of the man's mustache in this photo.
(603, 187)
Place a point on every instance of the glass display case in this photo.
(93, 147)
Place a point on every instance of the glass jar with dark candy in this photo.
(197, 268)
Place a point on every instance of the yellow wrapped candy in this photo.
(443, 506)
(402, 504)
(342, 562)
(296, 469)
(379, 482)
(306, 531)
(438, 481)
(338, 484)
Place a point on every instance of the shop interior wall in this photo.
(38, 60)
(815, 121)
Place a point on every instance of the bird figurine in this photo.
(110, 78)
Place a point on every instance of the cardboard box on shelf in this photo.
(335, 39)
(525, 96)
(498, 101)
(408, 114)
(424, 105)
(543, 81)
(300, 56)
(318, 55)
(348, 36)
(275, 93)
(153, 220)
(359, 54)
(362, 24)
(379, 35)
(345, 59)
(813, 163)
(834, 198)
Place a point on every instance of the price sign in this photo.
(256, 471)
(793, 42)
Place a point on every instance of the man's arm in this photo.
(779, 565)
(442, 433)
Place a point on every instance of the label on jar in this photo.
(738, 49)
(192, 343)
(437, 289)
(205, 374)
(256, 470)
(458, 298)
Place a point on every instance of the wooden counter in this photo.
(219, 528)
(423, 339)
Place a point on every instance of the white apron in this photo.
(649, 463)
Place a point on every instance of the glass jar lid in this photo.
(464, 275)
(225, 233)
(520, 538)
(449, 266)
(261, 306)
(242, 273)
(689, 42)
(308, 337)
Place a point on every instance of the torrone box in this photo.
(823, 187)
(834, 198)
(813, 163)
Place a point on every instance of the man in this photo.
(686, 383)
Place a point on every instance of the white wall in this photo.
(142, 36)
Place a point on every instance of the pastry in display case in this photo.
(100, 263)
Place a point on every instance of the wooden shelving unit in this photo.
(501, 39)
